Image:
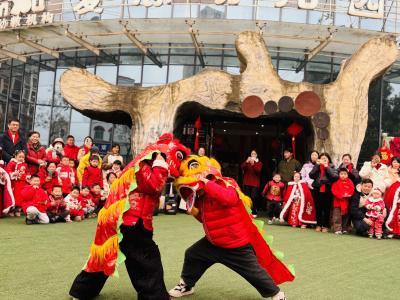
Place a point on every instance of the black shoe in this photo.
(29, 222)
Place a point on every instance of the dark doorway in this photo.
(230, 137)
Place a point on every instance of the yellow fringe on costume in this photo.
(111, 213)
(98, 252)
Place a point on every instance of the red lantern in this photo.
(294, 129)
(197, 125)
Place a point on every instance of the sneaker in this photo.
(344, 232)
(11, 214)
(338, 232)
(324, 229)
(254, 216)
(77, 219)
(31, 222)
(270, 222)
(318, 229)
(279, 296)
(303, 226)
(18, 214)
(370, 236)
(378, 236)
(181, 290)
(390, 236)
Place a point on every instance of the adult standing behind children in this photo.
(36, 156)
(288, 166)
(11, 140)
(112, 156)
(376, 171)
(324, 174)
(349, 166)
(251, 179)
(307, 167)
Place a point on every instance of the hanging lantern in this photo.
(294, 130)
(197, 125)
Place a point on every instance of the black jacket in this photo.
(9, 148)
(353, 175)
(356, 212)
(330, 176)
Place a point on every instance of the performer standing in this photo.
(231, 237)
(131, 203)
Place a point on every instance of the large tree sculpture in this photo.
(153, 109)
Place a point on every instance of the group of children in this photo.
(61, 191)
(294, 203)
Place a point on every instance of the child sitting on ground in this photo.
(66, 175)
(19, 174)
(57, 210)
(86, 201)
(74, 206)
(92, 173)
(273, 193)
(34, 202)
(97, 196)
(376, 208)
(342, 190)
(298, 207)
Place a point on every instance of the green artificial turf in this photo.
(41, 261)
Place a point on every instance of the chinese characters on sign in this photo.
(360, 8)
(17, 13)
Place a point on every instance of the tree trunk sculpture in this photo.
(153, 109)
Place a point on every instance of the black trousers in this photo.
(323, 205)
(143, 263)
(202, 255)
(274, 209)
(58, 218)
(361, 227)
(252, 192)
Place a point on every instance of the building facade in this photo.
(29, 76)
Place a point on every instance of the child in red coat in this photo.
(18, 170)
(66, 175)
(57, 210)
(34, 202)
(56, 151)
(49, 177)
(74, 206)
(86, 201)
(342, 190)
(273, 193)
(376, 208)
(93, 174)
(97, 196)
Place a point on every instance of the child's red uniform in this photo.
(375, 216)
(71, 151)
(18, 173)
(92, 175)
(274, 192)
(48, 185)
(74, 206)
(56, 206)
(85, 200)
(67, 177)
(53, 156)
(32, 196)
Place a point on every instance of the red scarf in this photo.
(322, 188)
(15, 140)
(350, 168)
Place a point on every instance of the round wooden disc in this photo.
(321, 120)
(323, 134)
(270, 107)
(307, 103)
(252, 106)
(286, 104)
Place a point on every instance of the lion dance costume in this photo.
(233, 237)
(124, 230)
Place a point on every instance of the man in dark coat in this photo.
(357, 208)
(288, 166)
(11, 140)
